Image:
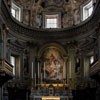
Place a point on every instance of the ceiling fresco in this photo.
(33, 11)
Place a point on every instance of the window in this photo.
(16, 12)
(13, 62)
(51, 21)
(87, 10)
(91, 59)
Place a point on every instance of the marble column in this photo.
(71, 65)
(65, 68)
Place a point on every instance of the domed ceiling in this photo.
(34, 9)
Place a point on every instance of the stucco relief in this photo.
(26, 17)
(35, 9)
(77, 16)
(66, 20)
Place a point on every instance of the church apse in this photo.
(52, 67)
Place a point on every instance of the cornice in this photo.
(82, 30)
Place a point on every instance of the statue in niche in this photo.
(78, 69)
(76, 16)
(38, 21)
(33, 15)
(36, 17)
(26, 62)
(26, 17)
(67, 20)
(77, 65)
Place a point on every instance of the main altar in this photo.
(50, 76)
(57, 91)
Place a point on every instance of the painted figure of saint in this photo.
(53, 68)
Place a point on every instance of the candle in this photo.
(32, 70)
(38, 70)
(44, 70)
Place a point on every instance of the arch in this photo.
(51, 57)
(52, 45)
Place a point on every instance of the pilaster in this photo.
(32, 66)
(71, 63)
(65, 68)
(81, 65)
(99, 45)
(71, 67)
(86, 67)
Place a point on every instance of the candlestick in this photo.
(38, 70)
(44, 70)
(32, 70)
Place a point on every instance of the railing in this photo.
(6, 68)
(45, 92)
(86, 28)
(95, 68)
(19, 83)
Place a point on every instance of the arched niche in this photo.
(52, 45)
(53, 65)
